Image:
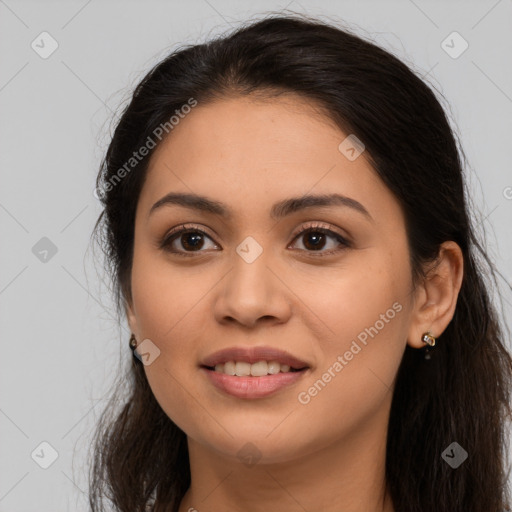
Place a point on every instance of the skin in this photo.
(327, 454)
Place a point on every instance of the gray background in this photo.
(61, 345)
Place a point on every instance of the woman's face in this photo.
(338, 301)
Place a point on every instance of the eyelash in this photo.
(167, 241)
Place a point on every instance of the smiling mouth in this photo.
(258, 369)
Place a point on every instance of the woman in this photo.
(286, 226)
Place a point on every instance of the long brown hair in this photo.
(462, 394)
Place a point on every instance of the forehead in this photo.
(245, 151)
(242, 127)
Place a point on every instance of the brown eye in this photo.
(316, 238)
(191, 240)
(183, 241)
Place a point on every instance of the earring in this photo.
(133, 346)
(430, 341)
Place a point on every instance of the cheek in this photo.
(167, 306)
(164, 296)
(368, 298)
(367, 311)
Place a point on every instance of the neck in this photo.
(348, 476)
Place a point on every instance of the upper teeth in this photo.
(258, 369)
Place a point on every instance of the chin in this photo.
(252, 446)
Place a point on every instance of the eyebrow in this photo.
(278, 211)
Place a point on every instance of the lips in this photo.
(253, 355)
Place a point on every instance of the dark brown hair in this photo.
(461, 394)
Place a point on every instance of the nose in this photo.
(252, 293)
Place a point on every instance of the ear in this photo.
(132, 319)
(436, 297)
